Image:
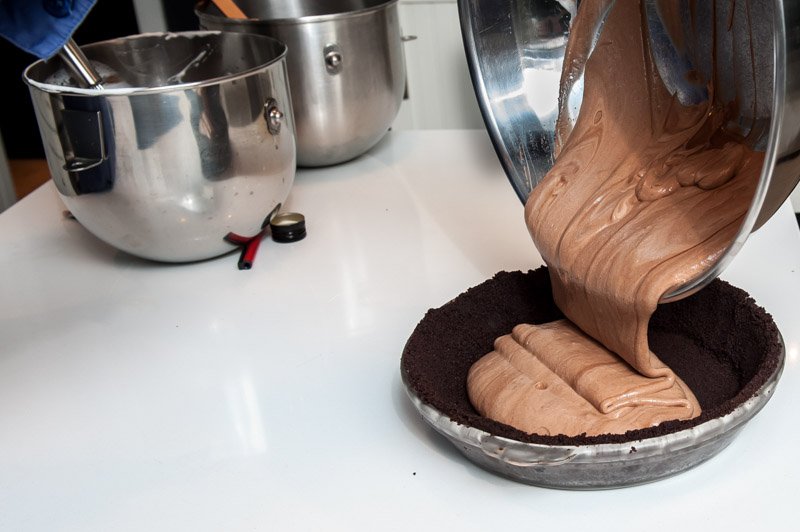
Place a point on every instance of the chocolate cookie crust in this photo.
(718, 341)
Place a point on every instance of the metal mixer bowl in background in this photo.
(190, 138)
(346, 68)
(515, 51)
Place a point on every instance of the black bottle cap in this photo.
(288, 227)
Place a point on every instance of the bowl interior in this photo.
(515, 52)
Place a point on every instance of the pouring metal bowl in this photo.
(515, 51)
(190, 138)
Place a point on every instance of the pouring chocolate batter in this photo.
(645, 194)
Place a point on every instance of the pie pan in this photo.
(744, 342)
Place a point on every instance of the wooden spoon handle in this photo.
(229, 9)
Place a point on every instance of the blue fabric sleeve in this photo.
(42, 27)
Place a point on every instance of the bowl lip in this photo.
(748, 224)
(473, 64)
(507, 450)
(286, 21)
(136, 91)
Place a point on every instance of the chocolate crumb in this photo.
(718, 341)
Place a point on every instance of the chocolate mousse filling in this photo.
(718, 341)
(647, 192)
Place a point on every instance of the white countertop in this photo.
(144, 396)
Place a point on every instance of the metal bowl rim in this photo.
(307, 19)
(135, 91)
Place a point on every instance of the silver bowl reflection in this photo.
(515, 51)
(600, 466)
(190, 138)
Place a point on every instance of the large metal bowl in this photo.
(515, 50)
(346, 68)
(191, 138)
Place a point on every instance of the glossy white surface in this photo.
(142, 396)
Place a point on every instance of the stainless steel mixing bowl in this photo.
(191, 138)
(346, 68)
(515, 50)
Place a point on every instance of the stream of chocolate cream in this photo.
(645, 194)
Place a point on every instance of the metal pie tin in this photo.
(738, 359)
(601, 466)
